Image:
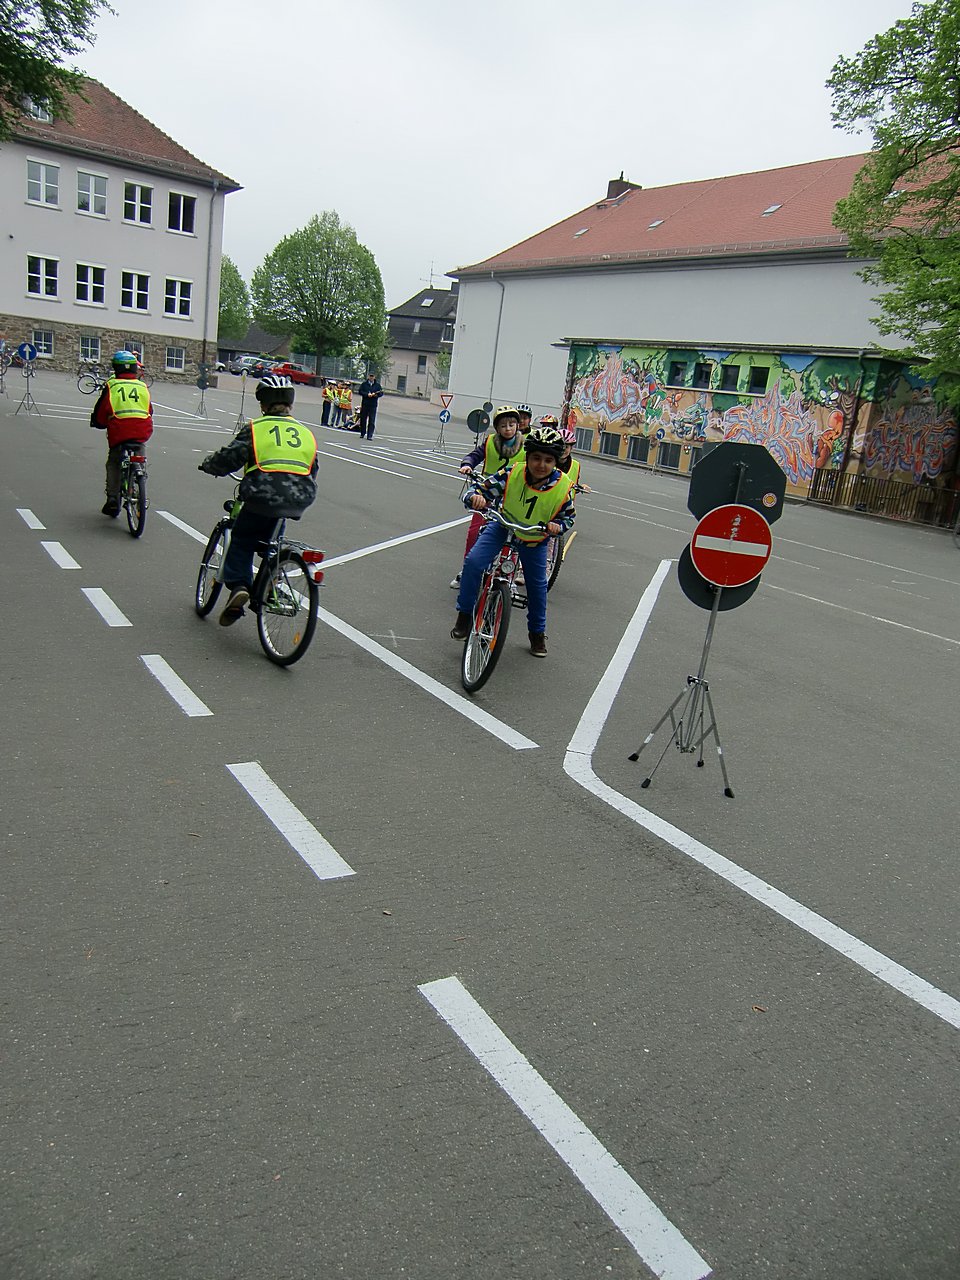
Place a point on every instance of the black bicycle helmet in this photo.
(275, 388)
(544, 440)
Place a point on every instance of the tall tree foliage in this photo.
(36, 36)
(323, 283)
(234, 301)
(904, 207)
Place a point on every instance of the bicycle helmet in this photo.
(544, 440)
(525, 410)
(503, 411)
(568, 435)
(549, 420)
(275, 388)
(124, 360)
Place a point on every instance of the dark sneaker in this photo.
(111, 507)
(461, 628)
(455, 583)
(233, 609)
(538, 644)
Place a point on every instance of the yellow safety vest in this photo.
(525, 505)
(493, 460)
(129, 398)
(282, 444)
(574, 472)
(346, 398)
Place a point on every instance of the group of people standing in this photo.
(337, 408)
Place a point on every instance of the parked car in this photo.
(242, 363)
(296, 373)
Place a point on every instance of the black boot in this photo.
(461, 628)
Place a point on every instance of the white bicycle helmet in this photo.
(275, 388)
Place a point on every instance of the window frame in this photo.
(91, 285)
(724, 380)
(96, 177)
(135, 290)
(696, 382)
(43, 276)
(182, 196)
(45, 349)
(94, 340)
(37, 111)
(138, 203)
(40, 201)
(675, 365)
(422, 366)
(178, 313)
(173, 367)
(757, 370)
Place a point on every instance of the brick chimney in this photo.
(619, 186)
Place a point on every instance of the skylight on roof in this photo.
(771, 209)
(657, 222)
(582, 232)
(426, 302)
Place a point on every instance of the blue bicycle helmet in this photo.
(124, 360)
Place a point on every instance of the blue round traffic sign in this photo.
(27, 351)
(444, 415)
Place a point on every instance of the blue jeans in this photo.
(533, 557)
(250, 530)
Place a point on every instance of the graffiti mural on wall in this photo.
(801, 416)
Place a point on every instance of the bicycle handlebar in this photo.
(494, 513)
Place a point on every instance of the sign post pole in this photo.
(28, 354)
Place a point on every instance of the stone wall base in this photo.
(66, 345)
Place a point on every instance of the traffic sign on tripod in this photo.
(731, 545)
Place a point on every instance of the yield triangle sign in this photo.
(446, 399)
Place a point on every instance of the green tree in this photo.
(234, 301)
(323, 283)
(442, 375)
(37, 35)
(903, 210)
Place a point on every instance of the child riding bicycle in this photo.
(124, 411)
(278, 456)
(530, 492)
(500, 448)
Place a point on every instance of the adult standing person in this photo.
(124, 411)
(370, 392)
(327, 395)
(345, 404)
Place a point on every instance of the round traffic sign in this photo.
(444, 415)
(27, 351)
(730, 545)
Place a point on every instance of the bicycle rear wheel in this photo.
(554, 558)
(286, 608)
(208, 584)
(88, 384)
(483, 645)
(135, 502)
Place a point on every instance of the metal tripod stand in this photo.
(689, 730)
(27, 403)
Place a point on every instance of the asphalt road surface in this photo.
(336, 972)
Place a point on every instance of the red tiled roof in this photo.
(714, 217)
(104, 125)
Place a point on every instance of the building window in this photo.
(42, 339)
(584, 438)
(448, 332)
(426, 302)
(638, 449)
(416, 326)
(610, 443)
(42, 276)
(181, 213)
(421, 364)
(43, 183)
(91, 194)
(38, 111)
(668, 456)
(402, 383)
(677, 373)
(134, 290)
(729, 377)
(176, 359)
(89, 347)
(134, 346)
(91, 284)
(176, 298)
(701, 375)
(758, 381)
(137, 203)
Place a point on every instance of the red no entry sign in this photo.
(730, 545)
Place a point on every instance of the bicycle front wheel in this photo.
(146, 379)
(554, 558)
(135, 502)
(209, 585)
(88, 384)
(286, 608)
(483, 646)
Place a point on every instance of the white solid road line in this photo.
(578, 764)
(107, 610)
(189, 530)
(181, 693)
(29, 519)
(457, 702)
(302, 836)
(59, 555)
(654, 1237)
(393, 542)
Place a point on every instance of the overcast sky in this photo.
(444, 132)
